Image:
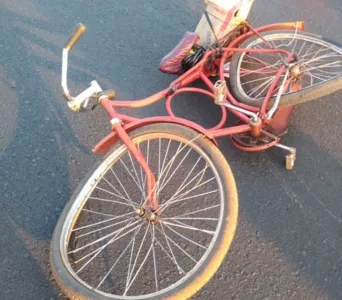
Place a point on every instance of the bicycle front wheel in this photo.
(104, 247)
(317, 72)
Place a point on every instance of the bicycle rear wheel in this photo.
(103, 248)
(317, 74)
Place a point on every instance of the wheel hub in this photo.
(148, 215)
(296, 72)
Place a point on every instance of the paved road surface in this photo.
(288, 243)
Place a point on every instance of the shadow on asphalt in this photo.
(34, 177)
(298, 211)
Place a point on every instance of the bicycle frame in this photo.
(123, 124)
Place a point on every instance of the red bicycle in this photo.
(156, 216)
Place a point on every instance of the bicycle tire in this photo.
(74, 288)
(295, 97)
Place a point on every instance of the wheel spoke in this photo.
(180, 189)
(258, 60)
(137, 255)
(104, 178)
(169, 166)
(308, 51)
(186, 178)
(170, 248)
(103, 238)
(333, 74)
(185, 226)
(154, 259)
(136, 173)
(96, 252)
(294, 47)
(331, 65)
(130, 261)
(170, 163)
(264, 85)
(300, 50)
(111, 193)
(265, 88)
(173, 259)
(162, 168)
(181, 218)
(187, 198)
(118, 259)
(130, 200)
(102, 228)
(179, 247)
(314, 53)
(319, 60)
(316, 76)
(109, 200)
(97, 213)
(263, 68)
(129, 172)
(322, 74)
(101, 222)
(197, 211)
(175, 170)
(186, 238)
(141, 174)
(179, 197)
(255, 80)
(131, 280)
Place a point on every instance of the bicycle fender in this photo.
(107, 142)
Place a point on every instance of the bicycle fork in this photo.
(151, 202)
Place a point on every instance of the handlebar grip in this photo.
(79, 31)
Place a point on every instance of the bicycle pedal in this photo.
(290, 158)
(290, 161)
(220, 92)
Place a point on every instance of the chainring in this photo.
(246, 140)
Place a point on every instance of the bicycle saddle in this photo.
(171, 63)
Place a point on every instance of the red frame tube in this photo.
(182, 90)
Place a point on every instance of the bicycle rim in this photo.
(319, 62)
(191, 210)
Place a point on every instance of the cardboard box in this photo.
(225, 15)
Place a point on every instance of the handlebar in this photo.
(80, 102)
(79, 31)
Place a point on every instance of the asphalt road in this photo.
(288, 243)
